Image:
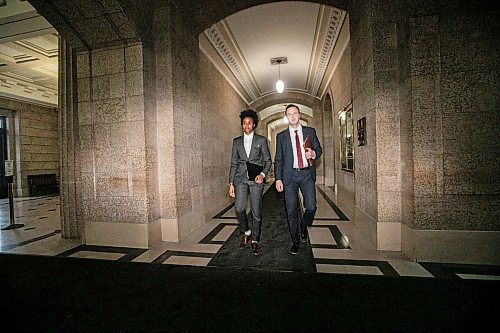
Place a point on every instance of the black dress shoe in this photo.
(295, 248)
(303, 234)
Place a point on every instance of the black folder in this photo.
(253, 170)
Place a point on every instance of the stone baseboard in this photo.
(451, 246)
(388, 236)
(131, 235)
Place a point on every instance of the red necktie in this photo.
(299, 151)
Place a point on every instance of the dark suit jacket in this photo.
(259, 154)
(284, 154)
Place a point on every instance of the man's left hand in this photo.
(259, 179)
(310, 153)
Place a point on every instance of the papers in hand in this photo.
(253, 170)
(308, 144)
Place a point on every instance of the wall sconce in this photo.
(280, 86)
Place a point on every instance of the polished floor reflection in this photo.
(339, 243)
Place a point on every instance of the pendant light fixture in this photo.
(280, 86)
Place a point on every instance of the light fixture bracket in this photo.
(279, 61)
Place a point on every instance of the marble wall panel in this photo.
(83, 65)
(134, 58)
(469, 92)
(423, 44)
(108, 61)
(117, 85)
(103, 136)
(471, 174)
(85, 113)
(109, 209)
(110, 110)
(458, 105)
(87, 160)
(460, 137)
(134, 83)
(135, 108)
(425, 94)
(84, 90)
(425, 176)
(135, 134)
(111, 160)
(112, 184)
(221, 124)
(86, 137)
(453, 212)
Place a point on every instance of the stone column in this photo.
(179, 128)
(317, 123)
(69, 183)
(376, 97)
(363, 95)
(328, 141)
(387, 123)
(112, 147)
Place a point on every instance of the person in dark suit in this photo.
(253, 149)
(295, 169)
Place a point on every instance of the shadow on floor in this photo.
(51, 294)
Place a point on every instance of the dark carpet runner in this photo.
(274, 244)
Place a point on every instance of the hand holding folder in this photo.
(253, 170)
(308, 144)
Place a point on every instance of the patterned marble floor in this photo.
(338, 241)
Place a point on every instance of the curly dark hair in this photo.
(250, 113)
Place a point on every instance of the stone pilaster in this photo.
(69, 183)
(387, 125)
(178, 115)
(112, 147)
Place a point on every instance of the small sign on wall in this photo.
(9, 168)
(361, 131)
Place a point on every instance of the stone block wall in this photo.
(342, 97)
(387, 124)
(363, 95)
(33, 140)
(111, 137)
(220, 110)
(454, 73)
(187, 123)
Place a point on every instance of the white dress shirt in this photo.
(247, 142)
(294, 147)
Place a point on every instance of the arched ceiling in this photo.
(310, 35)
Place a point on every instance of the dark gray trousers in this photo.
(242, 192)
(301, 180)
